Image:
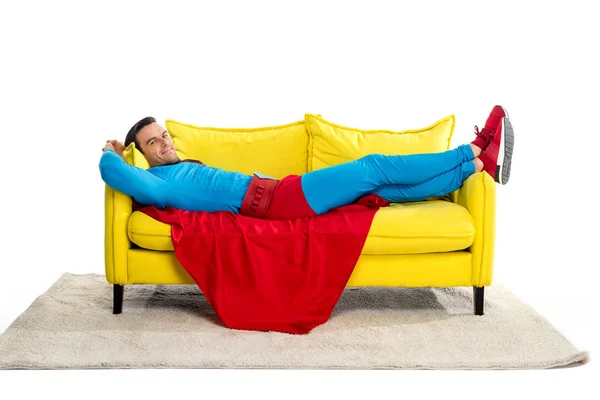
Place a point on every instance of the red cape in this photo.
(270, 275)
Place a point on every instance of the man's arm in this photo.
(136, 182)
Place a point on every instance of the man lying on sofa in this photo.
(193, 186)
(254, 272)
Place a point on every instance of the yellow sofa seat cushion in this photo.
(275, 151)
(148, 233)
(333, 144)
(433, 226)
(402, 228)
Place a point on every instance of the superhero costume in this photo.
(270, 275)
(198, 187)
(280, 271)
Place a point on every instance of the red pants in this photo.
(276, 199)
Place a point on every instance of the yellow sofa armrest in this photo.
(117, 208)
(478, 196)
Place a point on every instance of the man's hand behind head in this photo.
(115, 146)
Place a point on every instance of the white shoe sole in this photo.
(507, 144)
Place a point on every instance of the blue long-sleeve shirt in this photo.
(184, 185)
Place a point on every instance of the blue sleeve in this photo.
(136, 182)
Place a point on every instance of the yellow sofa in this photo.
(440, 242)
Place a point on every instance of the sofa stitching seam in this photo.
(482, 229)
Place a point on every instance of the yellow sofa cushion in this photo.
(332, 144)
(276, 151)
(149, 233)
(135, 157)
(402, 228)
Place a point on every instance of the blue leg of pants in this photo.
(440, 185)
(343, 184)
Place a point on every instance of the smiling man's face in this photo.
(156, 145)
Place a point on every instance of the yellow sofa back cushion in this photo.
(332, 144)
(133, 156)
(276, 151)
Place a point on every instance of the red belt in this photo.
(258, 197)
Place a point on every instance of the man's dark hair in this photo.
(132, 134)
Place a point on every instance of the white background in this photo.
(75, 74)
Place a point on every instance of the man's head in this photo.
(153, 141)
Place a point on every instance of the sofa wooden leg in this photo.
(118, 298)
(478, 299)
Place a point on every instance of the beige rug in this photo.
(71, 326)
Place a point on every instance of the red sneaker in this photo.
(485, 136)
(498, 112)
(498, 154)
